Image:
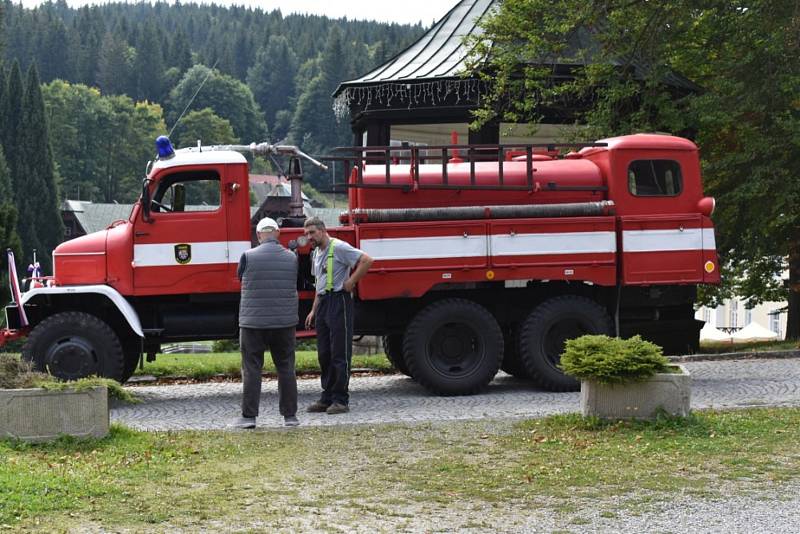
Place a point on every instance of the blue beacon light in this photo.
(164, 147)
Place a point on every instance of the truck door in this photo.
(662, 240)
(185, 247)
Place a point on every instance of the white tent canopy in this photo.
(753, 332)
(709, 333)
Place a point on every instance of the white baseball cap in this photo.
(266, 225)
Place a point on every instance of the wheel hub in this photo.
(71, 358)
(454, 349)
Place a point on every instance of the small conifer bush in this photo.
(598, 358)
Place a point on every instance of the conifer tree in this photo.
(113, 69)
(271, 79)
(148, 67)
(43, 217)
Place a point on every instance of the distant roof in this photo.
(437, 54)
(94, 217)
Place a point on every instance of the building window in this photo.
(706, 314)
(775, 322)
(748, 316)
(734, 316)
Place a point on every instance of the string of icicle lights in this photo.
(436, 92)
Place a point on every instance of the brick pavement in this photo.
(398, 399)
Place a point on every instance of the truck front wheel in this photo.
(543, 333)
(72, 345)
(453, 347)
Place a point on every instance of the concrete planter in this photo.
(38, 415)
(639, 400)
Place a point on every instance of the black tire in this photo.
(72, 345)
(512, 361)
(393, 347)
(131, 362)
(543, 334)
(453, 347)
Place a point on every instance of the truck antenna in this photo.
(210, 72)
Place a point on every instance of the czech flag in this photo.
(13, 282)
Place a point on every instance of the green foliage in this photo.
(271, 79)
(115, 68)
(9, 238)
(206, 126)
(41, 220)
(102, 141)
(227, 97)
(225, 345)
(604, 359)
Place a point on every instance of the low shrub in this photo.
(597, 358)
(16, 373)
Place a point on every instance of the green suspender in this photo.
(329, 285)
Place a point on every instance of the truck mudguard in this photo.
(119, 301)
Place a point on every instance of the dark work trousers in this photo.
(334, 324)
(280, 343)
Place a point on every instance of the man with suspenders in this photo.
(332, 312)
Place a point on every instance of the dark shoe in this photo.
(337, 408)
(244, 422)
(317, 407)
(290, 420)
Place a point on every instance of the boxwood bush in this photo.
(608, 360)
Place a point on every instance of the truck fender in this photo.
(110, 293)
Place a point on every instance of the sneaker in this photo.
(337, 408)
(290, 420)
(317, 407)
(244, 422)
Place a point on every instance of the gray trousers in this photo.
(280, 343)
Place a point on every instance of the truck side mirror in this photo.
(179, 197)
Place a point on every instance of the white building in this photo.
(733, 314)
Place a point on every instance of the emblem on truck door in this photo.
(183, 253)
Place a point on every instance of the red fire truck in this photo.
(485, 257)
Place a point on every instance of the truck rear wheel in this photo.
(543, 334)
(453, 347)
(72, 345)
(393, 347)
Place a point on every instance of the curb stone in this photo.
(746, 355)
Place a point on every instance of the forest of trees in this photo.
(84, 92)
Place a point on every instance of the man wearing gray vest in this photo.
(267, 320)
(332, 312)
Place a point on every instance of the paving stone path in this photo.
(398, 399)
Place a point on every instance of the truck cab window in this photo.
(191, 191)
(655, 178)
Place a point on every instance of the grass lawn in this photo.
(391, 476)
(205, 365)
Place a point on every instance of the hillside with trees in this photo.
(85, 91)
